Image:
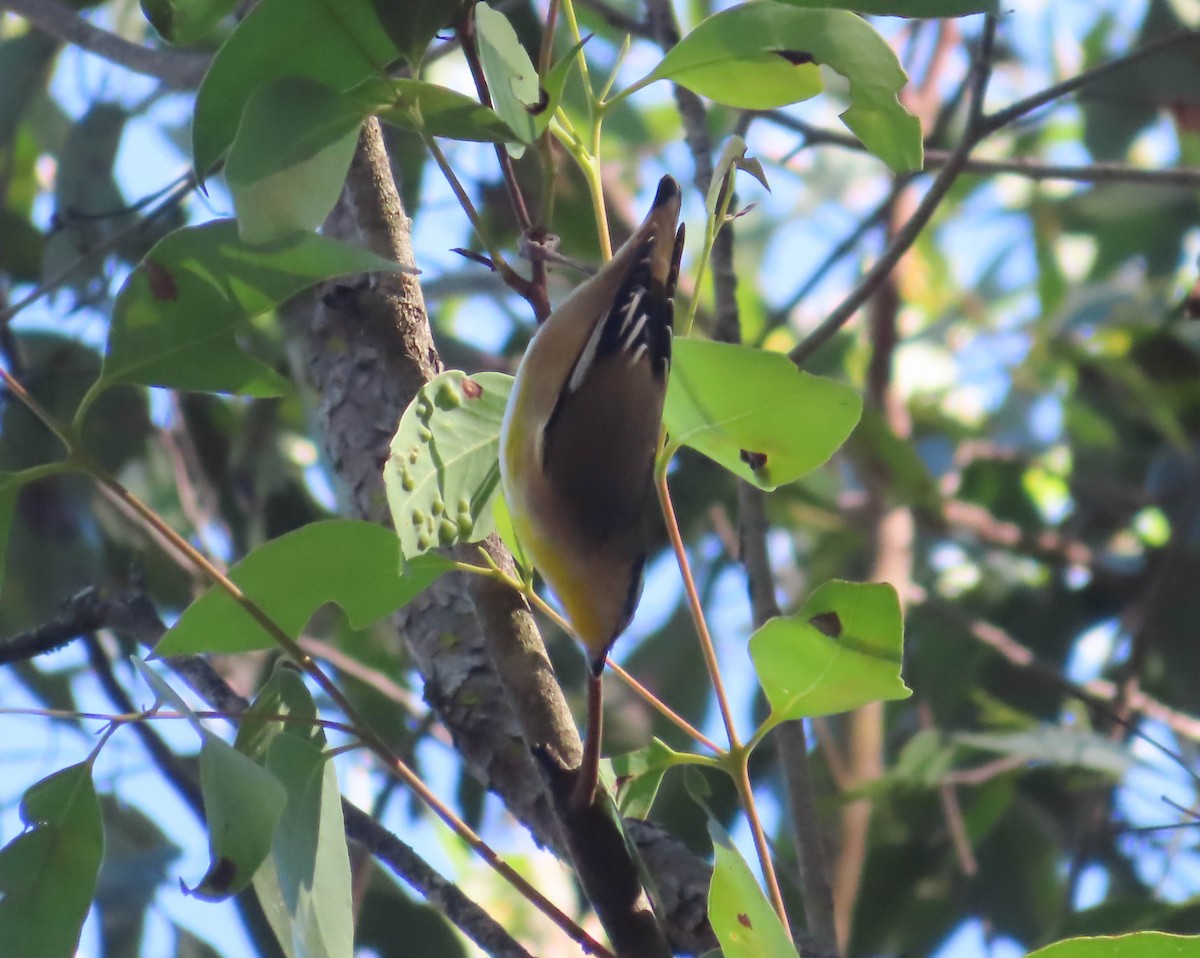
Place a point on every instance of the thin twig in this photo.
(908, 233)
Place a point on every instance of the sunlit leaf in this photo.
(637, 775)
(1140, 944)
(763, 55)
(48, 872)
(175, 318)
(346, 561)
(742, 919)
(755, 412)
(444, 467)
(843, 649)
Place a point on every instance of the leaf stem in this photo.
(738, 759)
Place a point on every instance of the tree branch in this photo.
(178, 69)
(908, 233)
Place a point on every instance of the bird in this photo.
(580, 434)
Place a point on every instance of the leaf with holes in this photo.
(842, 650)
(444, 468)
(763, 55)
(754, 412)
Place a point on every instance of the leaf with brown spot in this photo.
(795, 57)
(827, 623)
(162, 282)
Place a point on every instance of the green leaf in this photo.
(444, 467)
(175, 319)
(1141, 944)
(412, 25)
(755, 412)
(905, 8)
(638, 774)
(764, 54)
(435, 110)
(337, 44)
(1064, 747)
(289, 159)
(553, 85)
(842, 650)
(242, 805)
(346, 561)
(185, 21)
(48, 872)
(742, 919)
(305, 887)
(511, 76)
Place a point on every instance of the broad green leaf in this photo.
(305, 886)
(1140, 944)
(1065, 747)
(511, 77)
(48, 872)
(444, 467)
(242, 802)
(843, 649)
(337, 44)
(242, 805)
(764, 54)
(412, 25)
(185, 21)
(638, 774)
(289, 159)
(176, 317)
(435, 110)
(755, 412)
(905, 8)
(742, 919)
(346, 561)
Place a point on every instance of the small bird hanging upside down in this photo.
(580, 435)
